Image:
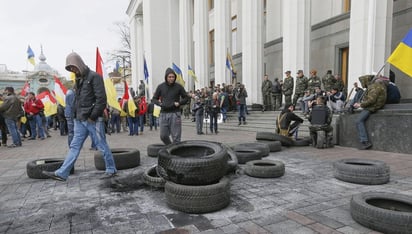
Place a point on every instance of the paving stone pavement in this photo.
(307, 199)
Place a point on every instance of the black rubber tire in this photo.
(193, 162)
(262, 147)
(124, 158)
(232, 162)
(34, 168)
(246, 155)
(285, 141)
(257, 107)
(151, 178)
(301, 142)
(265, 168)
(266, 136)
(361, 171)
(198, 199)
(274, 146)
(153, 149)
(383, 212)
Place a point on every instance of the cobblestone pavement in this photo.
(307, 199)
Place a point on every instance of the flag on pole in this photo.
(229, 64)
(25, 90)
(191, 73)
(117, 69)
(49, 102)
(60, 91)
(127, 97)
(146, 71)
(30, 56)
(401, 57)
(108, 84)
(179, 78)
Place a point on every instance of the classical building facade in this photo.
(351, 38)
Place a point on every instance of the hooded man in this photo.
(88, 107)
(373, 100)
(170, 95)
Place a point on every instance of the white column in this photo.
(139, 55)
(200, 36)
(296, 36)
(273, 20)
(222, 40)
(252, 49)
(369, 38)
(185, 27)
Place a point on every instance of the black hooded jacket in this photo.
(167, 94)
(90, 99)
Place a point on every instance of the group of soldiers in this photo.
(272, 92)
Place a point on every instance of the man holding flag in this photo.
(89, 104)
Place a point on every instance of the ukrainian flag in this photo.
(401, 57)
(179, 78)
(30, 56)
(191, 73)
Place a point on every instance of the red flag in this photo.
(60, 91)
(49, 102)
(99, 63)
(26, 89)
(125, 95)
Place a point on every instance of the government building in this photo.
(351, 38)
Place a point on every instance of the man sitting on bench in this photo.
(320, 118)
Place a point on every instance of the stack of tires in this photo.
(194, 172)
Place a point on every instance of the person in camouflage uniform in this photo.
(287, 88)
(373, 100)
(267, 93)
(300, 87)
(320, 118)
(277, 94)
(339, 83)
(328, 81)
(313, 81)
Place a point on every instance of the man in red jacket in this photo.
(33, 107)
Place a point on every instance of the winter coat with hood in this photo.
(90, 99)
(375, 96)
(167, 94)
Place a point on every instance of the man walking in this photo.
(88, 107)
(170, 96)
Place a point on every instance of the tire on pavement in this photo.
(262, 147)
(232, 162)
(383, 212)
(151, 178)
(193, 162)
(362, 171)
(265, 168)
(124, 158)
(246, 155)
(198, 199)
(285, 141)
(153, 149)
(301, 142)
(266, 136)
(274, 146)
(34, 168)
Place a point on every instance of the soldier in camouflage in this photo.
(313, 81)
(328, 81)
(300, 87)
(267, 93)
(373, 100)
(287, 88)
(339, 83)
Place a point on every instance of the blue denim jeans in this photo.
(82, 129)
(70, 130)
(133, 123)
(242, 112)
(360, 125)
(141, 122)
(12, 127)
(36, 125)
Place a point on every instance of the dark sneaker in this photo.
(108, 176)
(52, 175)
(365, 145)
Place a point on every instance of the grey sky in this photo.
(60, 27)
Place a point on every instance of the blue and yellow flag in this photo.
(229, 64)
(179, 78)
(30, 56)
(401, 57)
(145, 71)
(191, 73)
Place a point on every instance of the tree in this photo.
(123, 55)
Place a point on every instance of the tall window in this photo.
(234, 34)
(211, 4)
(212, 47)
(346, 6)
